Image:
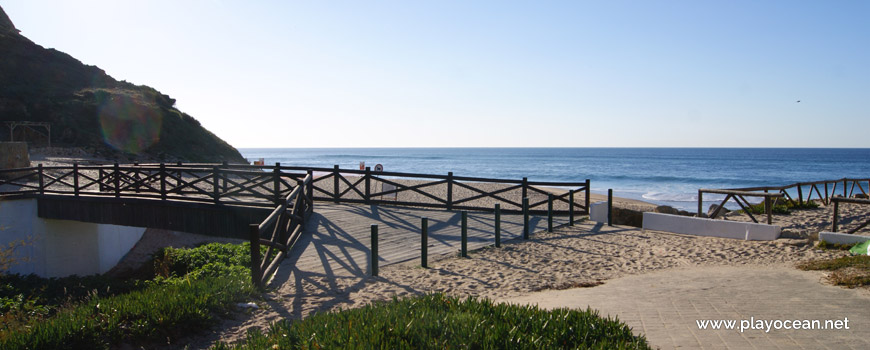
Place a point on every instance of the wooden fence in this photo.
(740, 198)
(824, 190)
(835, 220)
(292, 192)
(201, 183)
(285, 223)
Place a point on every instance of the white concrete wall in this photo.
(16, 225)
(710, 227)
(598, 212)
(61, 248)
(842, 238)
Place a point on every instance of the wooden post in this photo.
(609, 207)
(254, 237)
(117, 181)
(827, 199)
(801, 193)
(497, 225)
(525, 217)
(310, 190)
(550, 213)
(700, 203)
(368, 184)
(374, 257)
(525, 187)
(277, 183)
(450, 190)
(836, 212)
(76, 178)
(178, 173)
(571, 208)
(424, 241)
(768, 210)
(845, 193)
(137, 171)
(588, 209)
(215, 178)
(225, 166)
(162, 181)
(41, 179)
(335, 182)
(100, 179)
(464, 244)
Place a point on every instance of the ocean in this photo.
(666, 176)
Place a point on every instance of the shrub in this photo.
(439, 322)
(98, 312)
(848, 271)
(784, 208)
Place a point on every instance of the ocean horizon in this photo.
(664, 176)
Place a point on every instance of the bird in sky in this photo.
(798, 101)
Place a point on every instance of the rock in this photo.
(713, 208)
(6, 25)
(627, 217)
(664, 209)
(860, 196)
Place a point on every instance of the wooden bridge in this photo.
(271, 205)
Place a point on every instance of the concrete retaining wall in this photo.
(58, 248)
(709, 227)
(598, 212)
(842, 238)
(13, 155)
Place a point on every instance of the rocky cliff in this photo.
(89, 109)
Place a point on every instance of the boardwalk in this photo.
(337, 237)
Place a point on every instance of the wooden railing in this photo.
(740, 198)
(292, 192)
(285, 224)
(824, 190)
(214, 183)
(443, 191)
(835, 220)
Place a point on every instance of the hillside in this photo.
(89, 109)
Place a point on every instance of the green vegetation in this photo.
(439, 322)
(783, 208)
(190, 289)
(848, 271)
(834, 246)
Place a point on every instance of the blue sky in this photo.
(486, 73)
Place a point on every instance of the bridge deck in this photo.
(337, 239)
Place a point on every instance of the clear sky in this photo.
(486, 73)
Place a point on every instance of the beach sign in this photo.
(379, 168)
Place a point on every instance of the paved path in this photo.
(665, 305)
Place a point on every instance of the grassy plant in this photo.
(439, 322)
(835, 246)
(158, 312)
(783, 208)
(98, 312)
(848, 271)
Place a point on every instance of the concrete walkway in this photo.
(665, 307)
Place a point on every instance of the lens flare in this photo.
(129, 125)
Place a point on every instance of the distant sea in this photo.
(667, 176)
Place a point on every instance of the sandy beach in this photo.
(585, 255)
(582, 256)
